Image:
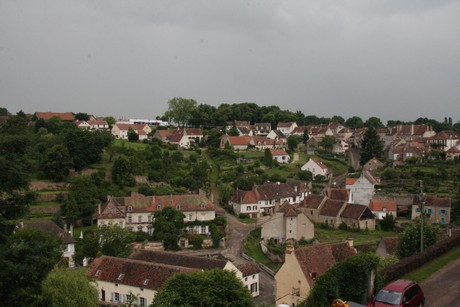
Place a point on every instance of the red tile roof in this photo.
(350, 181)
(63, 116)
(319, 162)
(135, 127)
(338, 194)
(331, 207)
(131, 272)
(380, 204)
(278, 152)
(312, 201)
(249, 268)
(244, 197)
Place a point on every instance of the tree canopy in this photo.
(410, 240)
(203, 288)
(371, 146)
(180, 110)
(168, 226)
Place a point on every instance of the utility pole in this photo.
(421, 200)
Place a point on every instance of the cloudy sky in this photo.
(387, 58)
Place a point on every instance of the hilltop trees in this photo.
(180, 110)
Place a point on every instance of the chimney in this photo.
(71, 230)
(350, 242)
(65, 228)
(99, 208)
(412, 129)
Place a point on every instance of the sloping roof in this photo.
(350, 181)
(453, 150)
(244, 197)
(249, 268)
(312, 201)
(135, 127)
(285, 125)
(331, 207)
(162, 133)
(289, 210)
(270, 190)
(111, 210)
(175, 137)
(317, 259)
(239, 140)
(434, 201)
(370, 177)
(278, 152)
(185, 202)
(63, 116)
(131, 272)
(193, 131)
(50, 228)
(338, 194)
(380, 204)
(175, 259)
(353, 211)
(319, 162)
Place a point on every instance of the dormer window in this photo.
(121, 276)
(158, 207)
(130, 208)
(178, 207)
(146, 282)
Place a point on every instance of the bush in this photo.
(243, 216)
(343, 226)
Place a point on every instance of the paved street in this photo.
(442, 289)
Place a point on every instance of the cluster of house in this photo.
(145, 271)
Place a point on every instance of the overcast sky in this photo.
(391, 59)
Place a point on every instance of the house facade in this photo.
(437, 208)
(362, 189)
(382, 207)
(286, 127)
(280, 156)
(136, 211)
(316, 167)
(288, 222)
(120, 131)
(303, 266)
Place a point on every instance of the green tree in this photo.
(354, 122)
(410, 240)
(388, 222)
(233, 131)
(305, 137)
(373, 122)
(371, 146)
(132, 135)
(268, 158)
(82, 116)
(70, 210)
(25, 260)
(327, 142)
(122, 172)
(110, 120)
(115, 241)
(4, 112)
(85, 147)
(180, 110)
(168, 226)
(293, 141)
(64, 287)
(57, 163)
(204, 288)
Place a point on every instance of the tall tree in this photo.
(57, 163)
(122, 172)
(64, 287)
(81, 116)
(168, 226)
(373, 122)
(180, 110)
(328, 142)
(293, 141)
(371, 146)
(204, 288)
(354, 122)
(410, 239)
(25, 260)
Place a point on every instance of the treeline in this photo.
(188, 111)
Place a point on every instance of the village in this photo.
(277, 205)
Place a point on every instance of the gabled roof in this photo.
(175, 137)
(249, 268)
(279, 134)
(381, 204)
(445, 135)
(131, 272)
(175, 259)
(354, 211)
(338, 194)
(185, 202)
(50, 228)
(331, 207)
(350, 181)
(135, 127)
(453, 150)
(319, 163)
(289, 210)
(244, 197)
(285, 125)
(270, 190)
(239, 140)
(48, 115)
(162, 133)
(111, 210)
(435, 201)
(99, 122)
(317, 259)
(312, 201)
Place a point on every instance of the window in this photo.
(245, 279)
(254, 287)
(417, 209)
(116, 297)
(178, 207)
(443, 211)
(130, 208)
(190, 217)
(203, 229)
(98, 273)
(158, 207)
(142, 301)
(254, 208)
(248, 208)
(139, 218)
(130, 219)
(120, 277)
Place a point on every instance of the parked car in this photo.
(402, 292)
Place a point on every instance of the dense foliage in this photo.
(410, 239)
(168, 226)
(371, 146)
(204, 288)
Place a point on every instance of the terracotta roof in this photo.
(331, 207)
(353, 211)
(239, 140)
(193, 131)
(319, 162)
(317, 259)
(278, 152)
(338, 194)
(175, 259)
(175, 137)
(312, 201)
(131, 272)
(162, 133)
(350, 181)
(453, 150)
(50, 228)
(270, 190)
(244, 197)
(249, 268)
(111, 210)
(289, 210)
(380, 204)
(63, 116)
(185, 202)
(285, 125)
(135, 127)
(98, 122)
(267, 141)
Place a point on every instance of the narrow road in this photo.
(442, 289)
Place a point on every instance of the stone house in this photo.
(288, 222)
(316, 167)
(303, 266)
(438, 208)
(362, 189)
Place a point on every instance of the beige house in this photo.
(136, 211)
(362, 189)
(303, 266)
(287, 223)
(438, 208)
(316, 167)
(286, 128)
(120, 131)
(247, 272)
(118, 278)
(280, 156)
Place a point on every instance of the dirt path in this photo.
(443, 287)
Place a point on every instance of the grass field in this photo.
(128, 144)
(359, 237)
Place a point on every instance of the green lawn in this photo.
(253, 250)
(46, 204)
(128, 144)
(359, 237)
(433, 266)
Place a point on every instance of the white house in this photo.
(286, 128)
(362, 189)
(382, 207)
(280, 156)
(316, 167)
(120, 131)
(118, 278)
